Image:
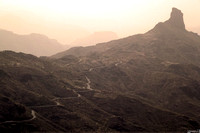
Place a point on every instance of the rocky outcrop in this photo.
(176, 19)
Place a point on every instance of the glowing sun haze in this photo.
(68, 20)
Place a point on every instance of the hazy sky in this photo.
(67, 20)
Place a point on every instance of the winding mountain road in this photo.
(45, 106)
(88, 83)
(58, 103)
(22, 121)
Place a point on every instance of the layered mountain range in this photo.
(36, 44)
(143, 83)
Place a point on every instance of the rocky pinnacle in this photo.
(176, 19)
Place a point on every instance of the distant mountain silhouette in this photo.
(96, 37)
(168, 40)
(143, 83)
(161, 67)
(61, 31)
(35, 44)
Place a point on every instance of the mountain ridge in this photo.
(36, 44)
(149, 42)
(143, 83)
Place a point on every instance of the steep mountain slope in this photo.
(68, 98)
(143, 83)
(35, 44)
(167, 41)
(30, 81)
(160, 66)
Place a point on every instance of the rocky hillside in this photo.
(143, 83)
(167, 41)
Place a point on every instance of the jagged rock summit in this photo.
(142, 83)
(173, 25)
(176, 19)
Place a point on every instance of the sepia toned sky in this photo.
(68, 20)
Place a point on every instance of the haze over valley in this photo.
(67, 21)
(144, 82)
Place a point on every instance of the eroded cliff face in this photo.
(176, 19)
